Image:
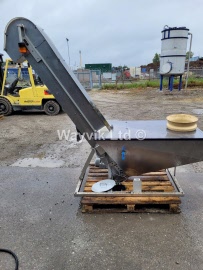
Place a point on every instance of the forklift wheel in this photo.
(5, 107)
(51, 107)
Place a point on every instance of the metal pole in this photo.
(161, 82)
(180, 83)
(68, 50)
(171, 82)
(80, 59)
(188, 64)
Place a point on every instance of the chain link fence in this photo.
(89, 78)
(196, 73)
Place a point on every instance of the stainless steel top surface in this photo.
(144, 129)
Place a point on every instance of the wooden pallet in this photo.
(151, 182)
(1, 117)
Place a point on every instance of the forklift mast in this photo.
(1, 71)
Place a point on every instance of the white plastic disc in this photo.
(103, 185)
(166, 68)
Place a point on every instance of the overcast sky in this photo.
(108, 31)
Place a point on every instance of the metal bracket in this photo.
(87, 163)
(23, 38)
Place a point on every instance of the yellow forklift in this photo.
(19, 94)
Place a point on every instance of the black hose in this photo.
(13, 255)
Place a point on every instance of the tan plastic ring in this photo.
(182, 122)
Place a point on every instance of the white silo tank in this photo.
(173, 50)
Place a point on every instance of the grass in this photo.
(192, 82)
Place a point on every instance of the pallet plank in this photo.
(144, 188)
(94, 178)
(147, 183)
(133, 209)
(130, 200)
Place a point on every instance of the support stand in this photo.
(170, 82)
(160, 192)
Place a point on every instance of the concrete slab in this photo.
(41, 222)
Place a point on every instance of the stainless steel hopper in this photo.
(145, 146)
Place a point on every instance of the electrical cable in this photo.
(12, 254)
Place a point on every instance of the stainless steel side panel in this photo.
(160, 148)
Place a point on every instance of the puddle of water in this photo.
(37, 162)
(198, 111)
